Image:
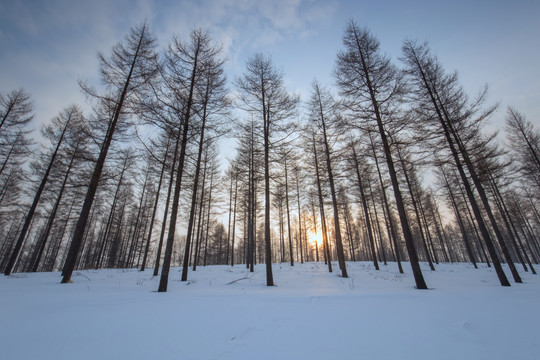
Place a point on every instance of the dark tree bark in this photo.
(262, 92)
(67, 116)
(132, 66)
(43, 239)
(187, 65)
(365, 207)
(297, 182)
(459, 218)
(288, 212)
(154, 211)
(321, 208)
(415, 206)
(419, 64)
(361, 66)
(386, 209)
(320, 99)
(167, 203)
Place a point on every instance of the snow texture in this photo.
(225, 312)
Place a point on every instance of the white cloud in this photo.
(282, 13)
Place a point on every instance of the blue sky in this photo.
(46, 46)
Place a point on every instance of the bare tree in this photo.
(322, 112)
(451, 112)
(373, 89)
(184, 77)
(213, 100)
(262, 93)
(63, 122)
(130, 68)
(15, 111)
(524, 140)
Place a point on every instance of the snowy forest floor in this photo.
(310, 314)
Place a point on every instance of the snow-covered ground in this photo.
(310, 314)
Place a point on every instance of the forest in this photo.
(395, 163)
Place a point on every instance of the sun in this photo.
(316, 238)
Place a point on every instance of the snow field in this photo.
(225, 312)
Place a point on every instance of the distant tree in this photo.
(262, 93)
(467, 240)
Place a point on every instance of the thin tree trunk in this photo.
(337, 229)
(52, 216)
(299, 220)
(483, 229)
(321, 208)
(390, 221)
(37, 196)
(194, 196)
(199, 219)
(466, 240)
(167, 202)
(96, 175)
(288, 213)
(234, 220)
(160, 181)
(413, 257)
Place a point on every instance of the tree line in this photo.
(337, 177)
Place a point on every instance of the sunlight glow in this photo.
(316, 238)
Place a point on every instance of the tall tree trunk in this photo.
(413, 257)
(365, 208)
(185, 124)
(337, 229)
(80, 228)
(443, 121)
(288, 213)
(208, 217)
(415, 206)
(388, 218)
(267, 204)
(321, 207)
(483, 197)
(234, 220)
(200, 223)
(167, 203)
(37, 196)
(52, 215)
(194, 193)
(154, 211)
(299, 219)
(466, 240)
